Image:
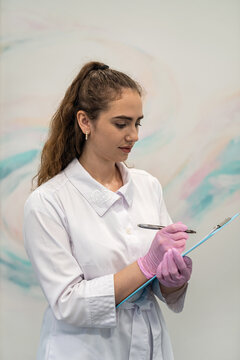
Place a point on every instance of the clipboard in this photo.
(217, 228)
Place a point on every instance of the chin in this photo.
(124, 157)
(118, 157)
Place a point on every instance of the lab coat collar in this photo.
(99, 197)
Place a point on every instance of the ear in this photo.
(83, 122)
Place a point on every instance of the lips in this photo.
(126, 149)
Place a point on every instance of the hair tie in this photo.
(100, 67)
(104, 67)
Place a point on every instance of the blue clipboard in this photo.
(208, 236)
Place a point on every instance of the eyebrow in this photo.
(123, 117)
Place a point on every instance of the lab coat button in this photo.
(129, 231)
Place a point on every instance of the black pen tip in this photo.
(191, 231)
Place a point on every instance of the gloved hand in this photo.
(174, 270)
(172, 236)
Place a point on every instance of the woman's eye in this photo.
(121, 126)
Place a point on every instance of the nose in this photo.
(132, 135)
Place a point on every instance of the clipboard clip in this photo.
(221, 224)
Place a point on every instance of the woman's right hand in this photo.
(172, 236)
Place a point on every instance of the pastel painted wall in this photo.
(186, 54)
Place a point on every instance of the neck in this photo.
(104, 171)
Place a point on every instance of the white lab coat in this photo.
(77, 234)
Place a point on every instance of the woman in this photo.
(81, 234)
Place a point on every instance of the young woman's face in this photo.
(115, 132)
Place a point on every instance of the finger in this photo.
(164, 266)
(179, 236)
(173, 228)
(159, 273)
(179, 245)
(163, 273)
(169, 269)
(188, 261)
(165, 280)
(167, 272)
(172, 267)
(181, 265)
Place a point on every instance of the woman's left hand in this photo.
(174, 270)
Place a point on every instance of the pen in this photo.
(158, 227)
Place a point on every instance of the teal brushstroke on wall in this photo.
(152, 142)
(14, 182)
(212, 191)
(17, 270)
(10, 164)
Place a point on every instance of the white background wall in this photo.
(186, 54)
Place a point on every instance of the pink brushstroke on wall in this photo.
(194, 181)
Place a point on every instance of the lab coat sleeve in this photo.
(74, 300)
(175, 301)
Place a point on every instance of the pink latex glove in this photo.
(174, 270)
(172, 236)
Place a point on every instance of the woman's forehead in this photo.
(130, 101)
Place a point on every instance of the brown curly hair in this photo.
(95, 86)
